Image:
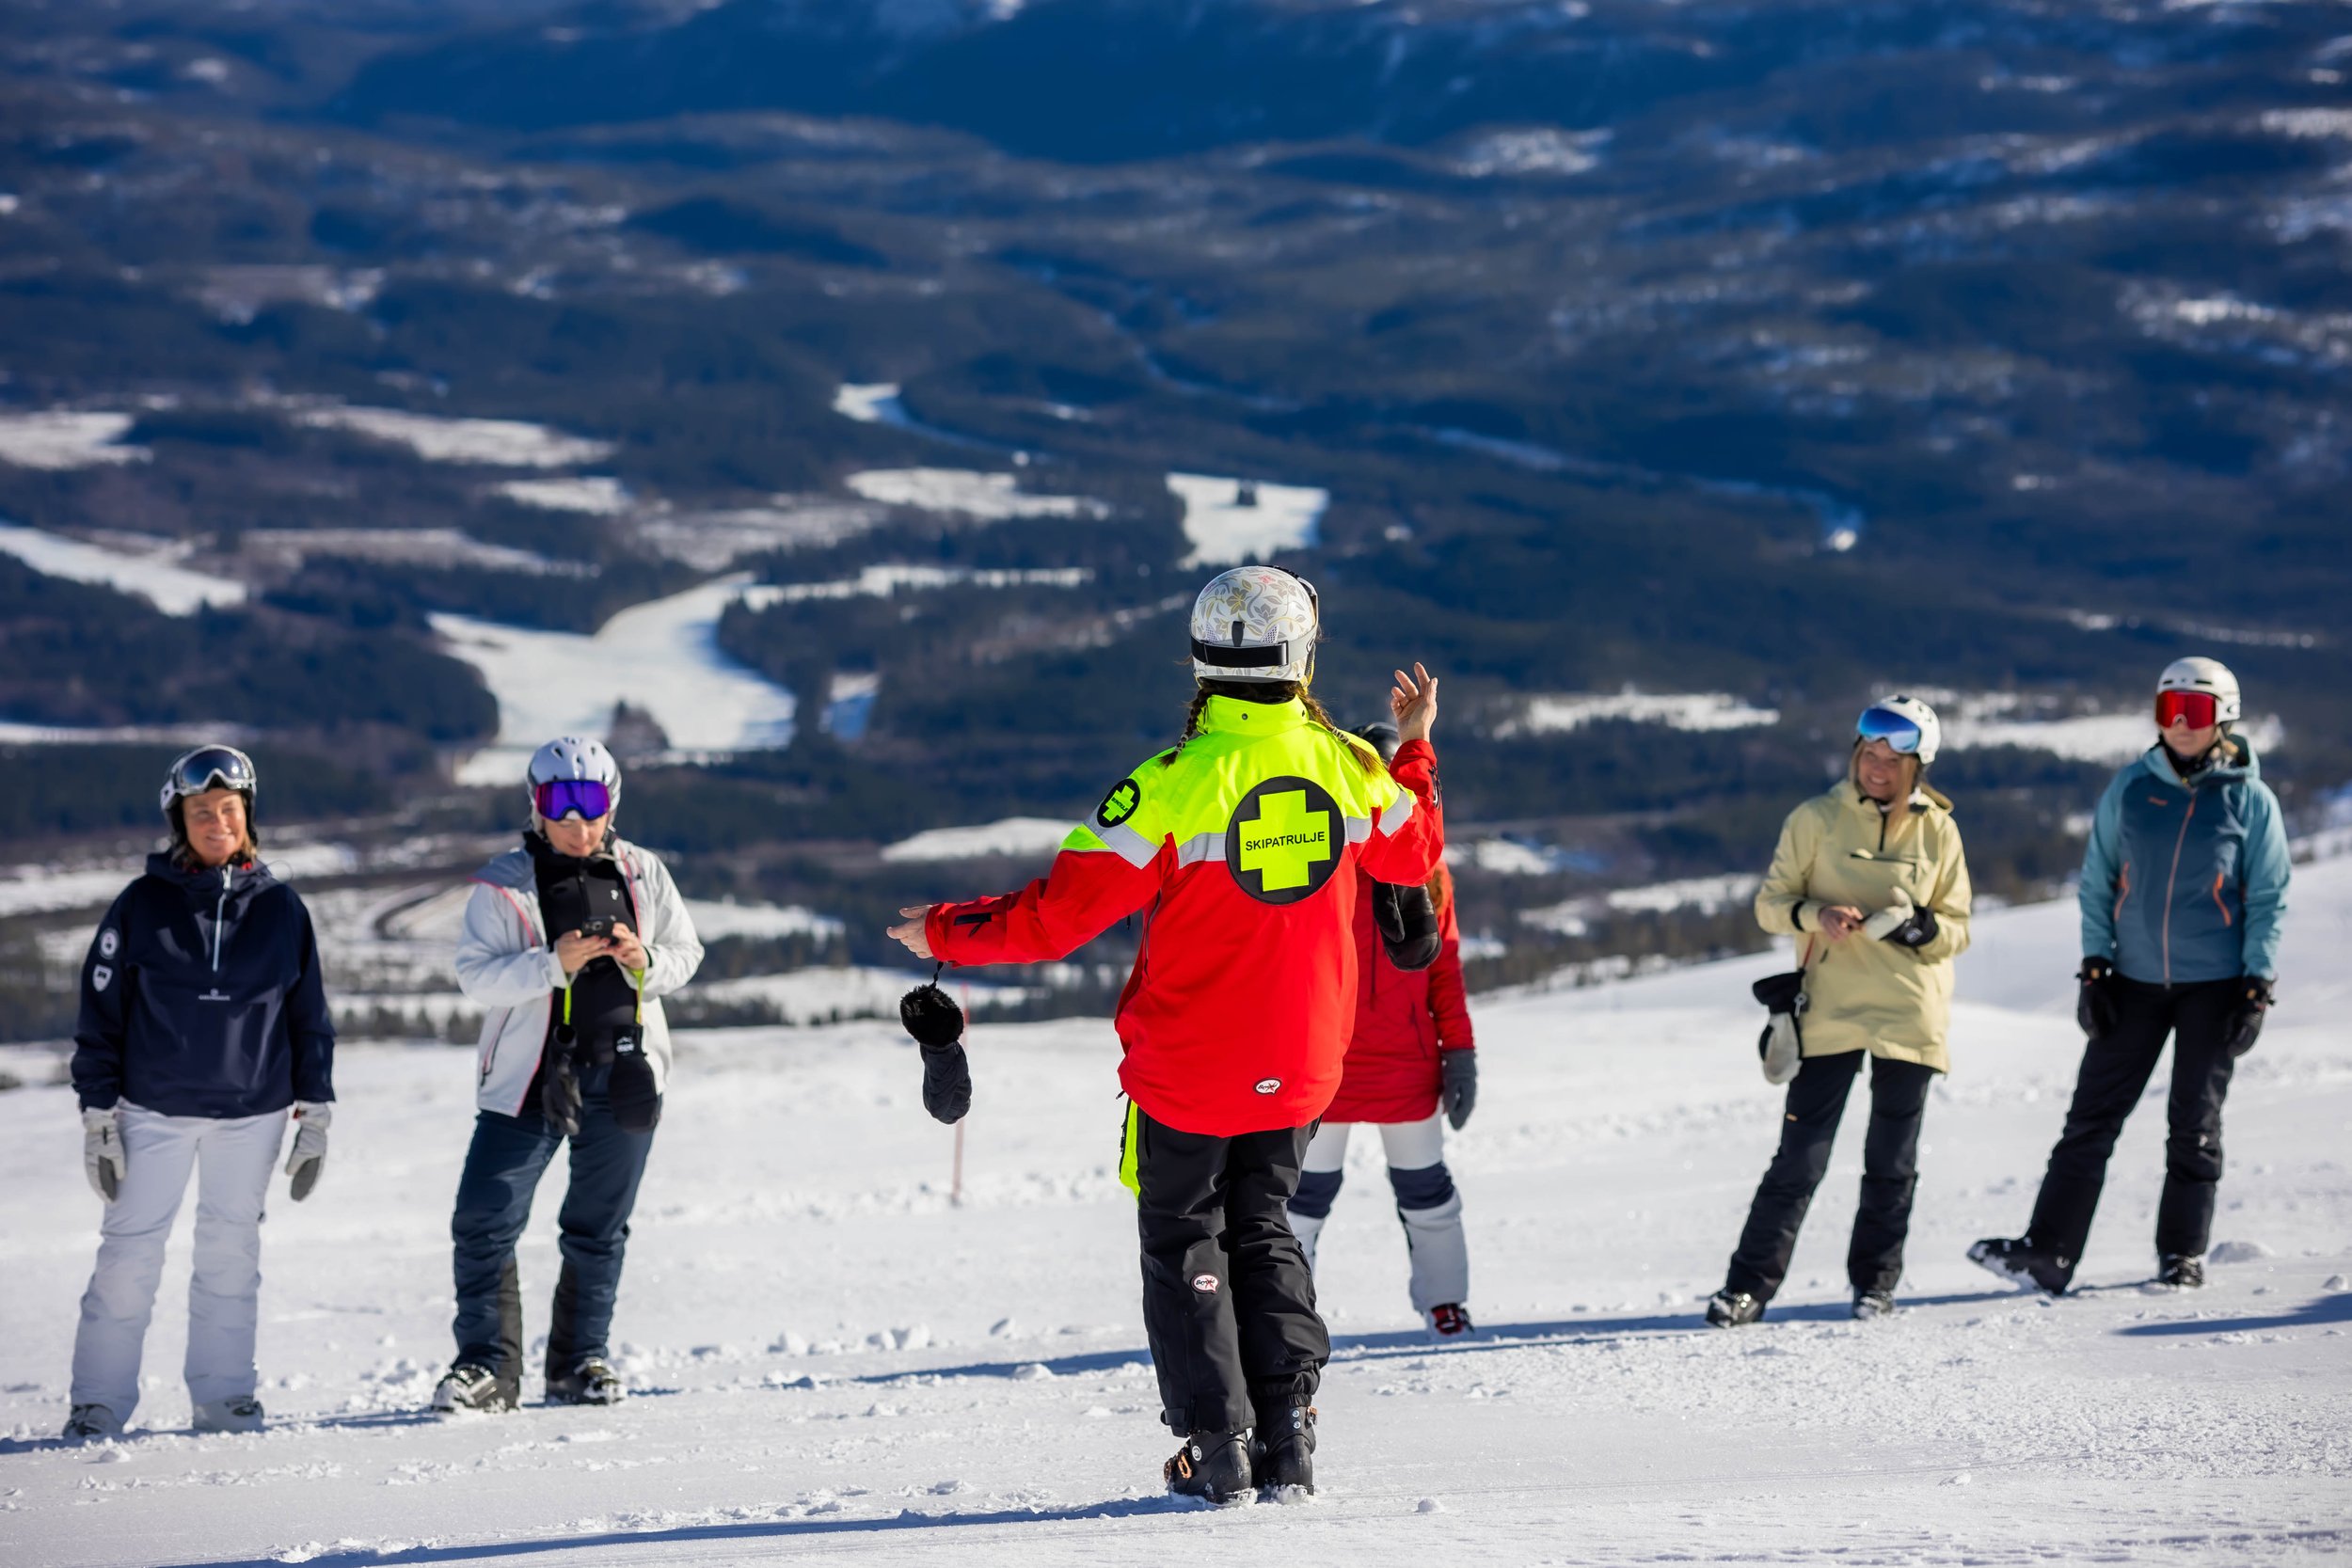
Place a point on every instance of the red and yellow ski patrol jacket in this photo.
(1247, 842)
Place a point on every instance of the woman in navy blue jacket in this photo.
(203, 1021)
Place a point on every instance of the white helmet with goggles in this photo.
(1905, 723)
(210, 767)
(573, 775)
(2201, 690)
(1255, 623)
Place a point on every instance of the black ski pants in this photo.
(1890, 1173)
(2115, 1072)
(1228, 1302)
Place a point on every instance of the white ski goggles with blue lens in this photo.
(1884, 723)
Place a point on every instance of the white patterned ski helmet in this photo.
(1255, 623)
(573, 756)
(2208, 676)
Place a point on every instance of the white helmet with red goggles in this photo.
(571, 774)
(1255, 623)
(2186, 681)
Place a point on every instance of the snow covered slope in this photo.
(833, 1361)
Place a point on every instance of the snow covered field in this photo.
(1226, 530)
(835, 1363)
(131, 562)
(661, 656)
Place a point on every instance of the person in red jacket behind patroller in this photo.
(1411, 1054)
(1248, 841)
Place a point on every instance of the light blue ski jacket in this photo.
(2186, 879)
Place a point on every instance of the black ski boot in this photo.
(592, 1381)
(1211, 1464)
(471, 1388)
(1870, 1306)
(2019, 1261)
(1729, 1308)
(2182, 1270)
(1283, 1454)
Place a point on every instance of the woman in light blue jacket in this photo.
(2184, 887)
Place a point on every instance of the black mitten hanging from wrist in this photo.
(932, 1016)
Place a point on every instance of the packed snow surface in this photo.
(1028, 837)
(661, 656)
(1678, 710)
(135, 563)
(1233, 520)
(483, 443)
(966, 492)
(59, 438)
(833, 1361)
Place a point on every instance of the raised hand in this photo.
(1414, 704)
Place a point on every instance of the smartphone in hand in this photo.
(597, 925)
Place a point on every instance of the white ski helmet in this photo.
(572, 756)
(2208, 676)
(1906, 723)
(1255, 623)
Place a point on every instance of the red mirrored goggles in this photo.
(2197, 710)
(560, 798)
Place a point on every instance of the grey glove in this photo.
(1458, 1087)
(309, 1158)
(103, 1158)
(2246, 1019)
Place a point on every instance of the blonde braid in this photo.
(1365, 757)
(1192, 726)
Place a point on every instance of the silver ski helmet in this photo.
(2196, 677)
(571, 774)
(1255, 623)
(1905, 723)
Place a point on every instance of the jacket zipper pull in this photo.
(220, 911)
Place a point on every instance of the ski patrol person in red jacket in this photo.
(1246, 843)
(1411, 1064)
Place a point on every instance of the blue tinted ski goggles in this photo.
(1879, 723)
(560, 798)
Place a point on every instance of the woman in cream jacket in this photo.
(1870, 882)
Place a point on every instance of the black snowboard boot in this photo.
(2019, 1261)
(1729, 1308)
(1870, 1306)
(1284, 1449)
(2182, 1270)
(1211, 1464)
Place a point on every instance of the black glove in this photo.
(635, 1099)
(1408, 925)
(932, 1016)
(2095, 1008)
(559, 1092)
(1916, 932)
(1458, 1087)
(2246, 1019)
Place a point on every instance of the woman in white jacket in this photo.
(573, 1046)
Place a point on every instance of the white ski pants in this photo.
(1427, 1203)
(232, 1159)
